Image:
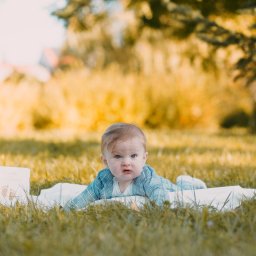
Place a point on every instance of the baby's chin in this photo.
(128, 175)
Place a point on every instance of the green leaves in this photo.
(80, 15)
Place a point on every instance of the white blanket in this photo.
(15, 185)
(220, 198)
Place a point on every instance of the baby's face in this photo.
(126, 159)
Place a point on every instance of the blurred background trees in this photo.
(158, 63)
(140, 36)
(208, 20)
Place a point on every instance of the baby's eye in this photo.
(134, 155)
(117, 156)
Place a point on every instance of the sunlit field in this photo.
(220, 158)
(183, 71)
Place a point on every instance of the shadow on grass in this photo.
(236, 133)
(199, 150)
(33, 147)
(223, 133)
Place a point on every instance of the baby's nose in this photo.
(126, 161)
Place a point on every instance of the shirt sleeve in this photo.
(89, 195)
(155, 187)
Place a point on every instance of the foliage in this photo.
(91, 100)
(220, 159)
(181, 19)
(81, 15)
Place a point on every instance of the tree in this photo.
(180, 19)
(183, 17)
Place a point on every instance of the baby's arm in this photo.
(158, 194)
(89, 195)
(156, 187)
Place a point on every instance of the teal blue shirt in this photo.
(148, 184)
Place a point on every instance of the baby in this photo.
(123, 148)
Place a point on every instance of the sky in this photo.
(26, 28)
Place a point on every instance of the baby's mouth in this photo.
(127, 171)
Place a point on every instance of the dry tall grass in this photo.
(186, 98)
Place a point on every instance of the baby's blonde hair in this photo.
(121, 131)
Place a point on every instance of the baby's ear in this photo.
(104, 160)
(145, 155)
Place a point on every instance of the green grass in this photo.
(219, 158)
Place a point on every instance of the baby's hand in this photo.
(134, 206)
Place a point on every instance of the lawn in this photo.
(219, 158)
